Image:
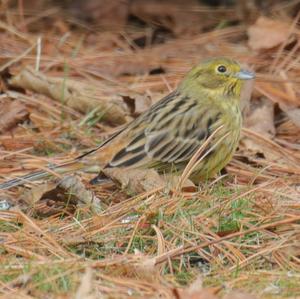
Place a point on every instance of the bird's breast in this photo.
(222, 146)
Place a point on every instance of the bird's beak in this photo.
(244, 75)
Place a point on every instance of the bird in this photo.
(169, 133)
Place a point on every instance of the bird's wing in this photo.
(171, 132)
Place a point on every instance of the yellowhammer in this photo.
(167, 135)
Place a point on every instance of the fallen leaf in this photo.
(71, 189)
(260, 118)
(267, 33)
(180, 17)
(144, 266)
(38, 5)
(136, 180)
(294, 115)
(167, 14)
(21, 281)
(102, 12)
(136, 103)
(11, 114)
(86, 289)
(287, 98)
(68, 190)
(174, 181)
(14, 143)
(239, 295)
(196, 291)
(35, 194)
(292, 107)
(77, 95)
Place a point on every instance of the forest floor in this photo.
(66, 84)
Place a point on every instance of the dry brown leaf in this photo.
(69, 190)
(238, 295)
(33, 195)
(136, 180)
(144, 266)
(287, 99)
(21, 281)
(276, 94)
(201, 294)
(11, 113)
(174, 181)
(102, 12)
(260, 118)
(141, 180)
(294, 115)
(180, 17)
(37, 4)
(267, 33)
(72, 189)
(196, 291)
(291, 107)
(136, 103)
(14, 144)
(169, 14)
(74, 94)
(86, 289)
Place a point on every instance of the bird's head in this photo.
(219, 76)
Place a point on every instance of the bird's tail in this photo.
(37, 175)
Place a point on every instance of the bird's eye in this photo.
(222, 69)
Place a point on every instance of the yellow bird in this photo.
(167, 135)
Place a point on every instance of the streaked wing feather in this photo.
(179, 149)
(171, 131)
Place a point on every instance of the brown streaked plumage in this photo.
(167, 135)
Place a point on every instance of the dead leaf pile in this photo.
(11, 114)
(268, 33)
